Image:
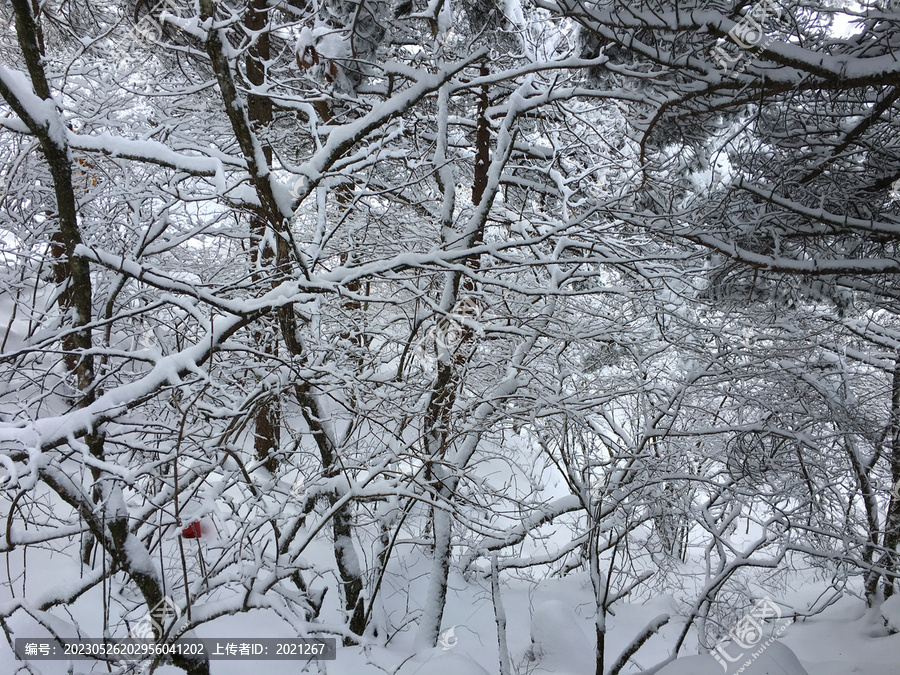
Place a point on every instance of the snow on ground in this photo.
(550, 630)
(558, 639)
(890, 612)
(846, 639)
(775, 659)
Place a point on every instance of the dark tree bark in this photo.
(444, 388)
(892, 526)
(267, 436)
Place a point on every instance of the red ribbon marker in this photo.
(192, 531)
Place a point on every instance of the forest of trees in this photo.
(514, 287)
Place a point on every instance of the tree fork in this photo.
(342, 525)
(443, 390)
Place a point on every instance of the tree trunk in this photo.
(435, 599)
(351, 575)
(267, 436)
(873, 525)
(892, 526)
(443, 390)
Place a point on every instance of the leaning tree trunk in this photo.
(892, 526)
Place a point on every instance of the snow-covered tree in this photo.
(297, 293)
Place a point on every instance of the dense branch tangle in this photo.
(350, 259)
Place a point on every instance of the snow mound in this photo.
(558, 643)
(890, 610)
(776, 659)
(450, 664)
